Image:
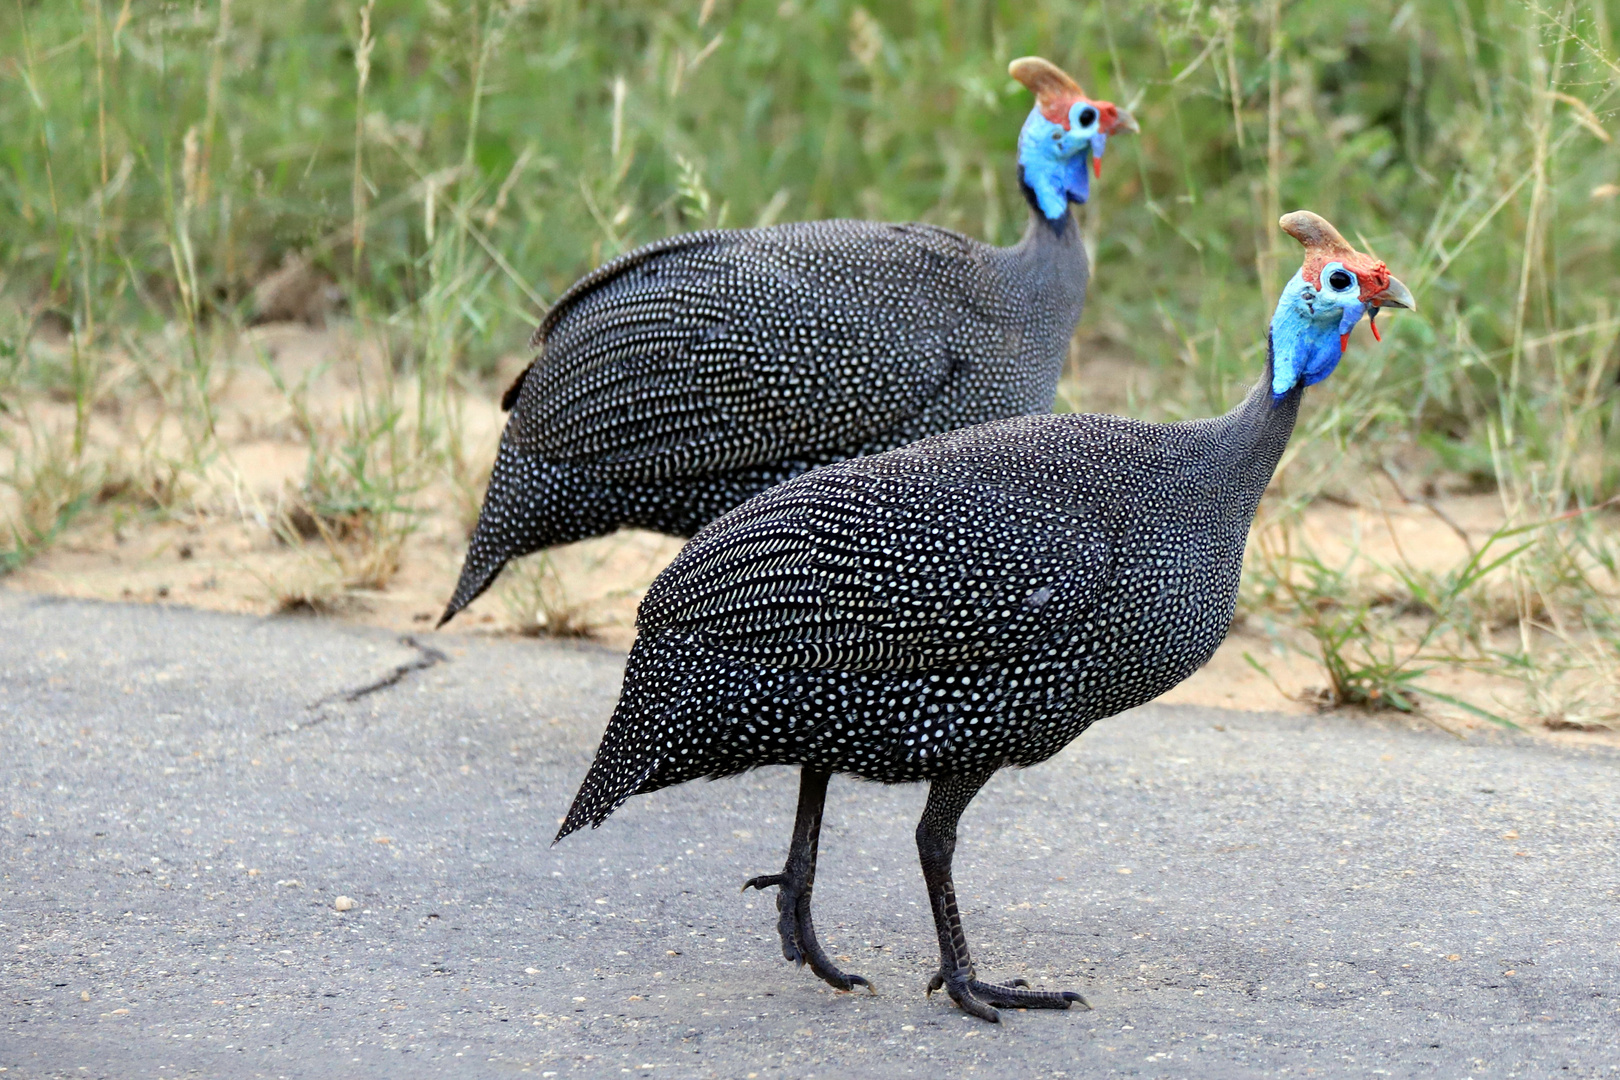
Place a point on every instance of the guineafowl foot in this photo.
(798, 931)
(948, 796)
(797, 880)
(982, 998)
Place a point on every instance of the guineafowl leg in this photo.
(798, 878)
(948, 796)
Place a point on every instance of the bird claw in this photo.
(981, 998)
(764, 881)
(799, 944)
(835, 978)
(852, 980)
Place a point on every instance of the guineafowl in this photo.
(972, 601)
(691, 374)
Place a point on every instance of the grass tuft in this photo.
(537, 603)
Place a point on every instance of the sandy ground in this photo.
(223, 552)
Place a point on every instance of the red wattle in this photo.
(1096, 167)
(1344, 343)
(1372, 324)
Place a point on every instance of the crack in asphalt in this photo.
(427, 656)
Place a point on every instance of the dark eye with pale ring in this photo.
(1087, 116)
(1339, 280)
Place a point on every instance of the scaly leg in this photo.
(948, 796)
(798, 879)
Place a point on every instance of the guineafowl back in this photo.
(693, 373)
(722, 350)
(973, 600)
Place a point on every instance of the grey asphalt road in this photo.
(183, 797)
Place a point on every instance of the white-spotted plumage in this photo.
(971, 601)
(686, 376)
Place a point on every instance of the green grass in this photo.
(455, 164)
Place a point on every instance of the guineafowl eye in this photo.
(1088, 116)
(1339, 280)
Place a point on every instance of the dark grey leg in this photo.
(798, 879)
(948, 796)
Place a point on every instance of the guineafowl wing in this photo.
(724, 350)
(967, 546)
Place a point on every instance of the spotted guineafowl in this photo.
(972, 601)
(691, 374)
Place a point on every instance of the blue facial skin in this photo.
(1054, 162)
(1306, 329)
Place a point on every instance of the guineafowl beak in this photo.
(1395, 295)
(1114, 120)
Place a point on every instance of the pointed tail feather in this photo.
(531, 504)
(606, 787)
(638, 752)
(484, 560)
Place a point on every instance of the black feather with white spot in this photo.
(971, 601)
(691, 374)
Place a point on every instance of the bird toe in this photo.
(764, 881)
(981, 999)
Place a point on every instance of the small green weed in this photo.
(536, 601)
(1371, 661)
(50, 481)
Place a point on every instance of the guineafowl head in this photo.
(1064, 133)
(1322, 303)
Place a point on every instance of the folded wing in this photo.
(942, 553)
(721, 350)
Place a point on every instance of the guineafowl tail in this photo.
(629, 754)
(617, 773)
(648, 743)
(485, 557)
(532, 504)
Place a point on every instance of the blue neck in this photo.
(1054, 164)
(1305, 335)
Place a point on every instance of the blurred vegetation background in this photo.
(441, 169)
